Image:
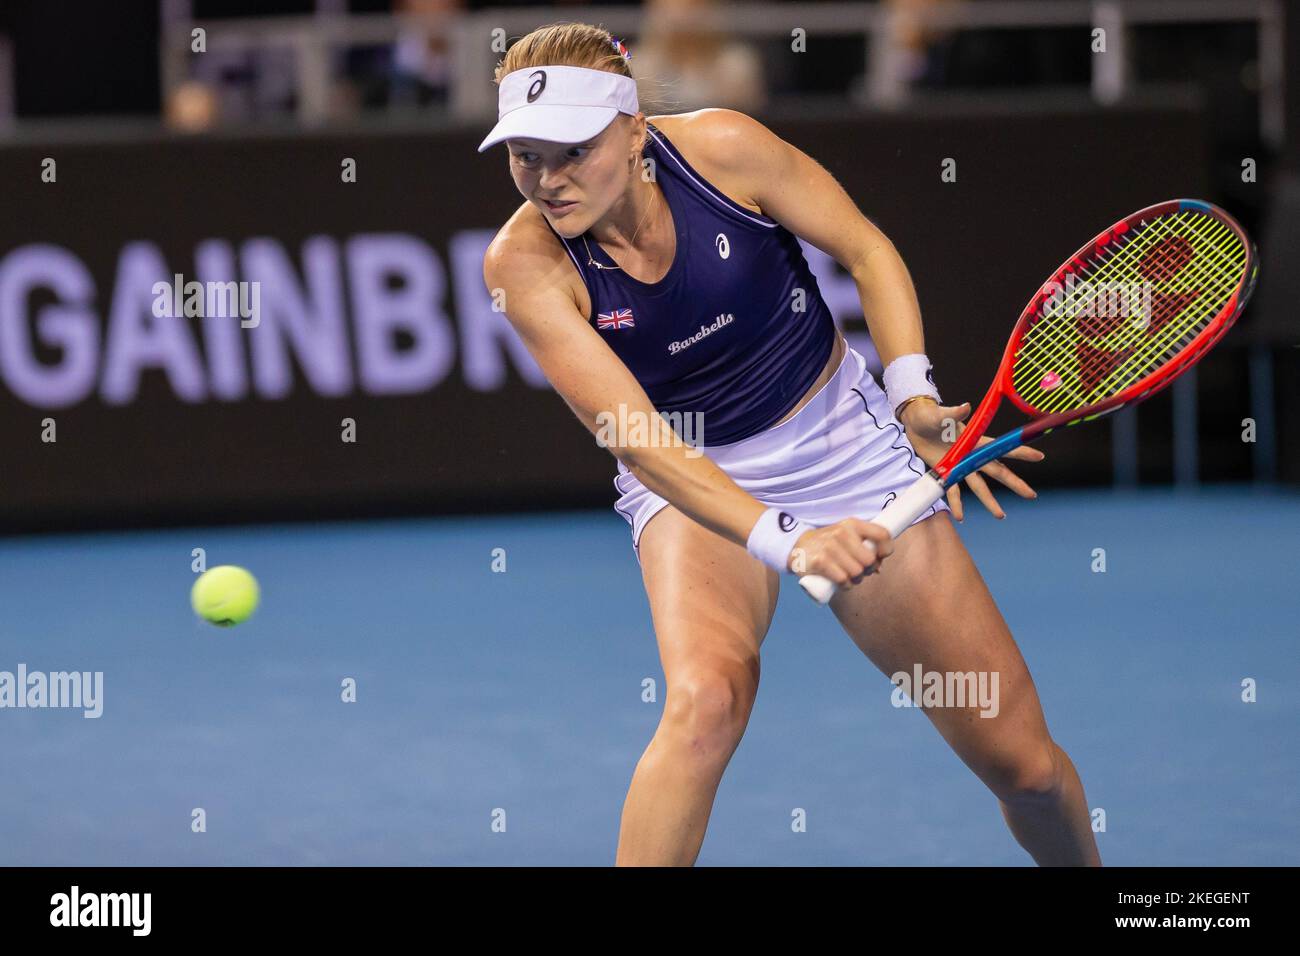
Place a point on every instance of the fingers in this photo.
(1009, 478)
(850, 550)
(959, 412)
(1003, 474)
(981, 489)
(1025, 453)
(1020, 452)
(876, 534)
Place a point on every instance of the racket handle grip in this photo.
(896, 517)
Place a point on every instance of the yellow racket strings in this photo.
(1063, 356)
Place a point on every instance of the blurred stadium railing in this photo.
(317, 44)
(6, 82)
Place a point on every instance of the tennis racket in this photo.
(1122, 318)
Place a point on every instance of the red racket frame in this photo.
(1144, 388)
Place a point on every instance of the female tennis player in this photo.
(653, 268)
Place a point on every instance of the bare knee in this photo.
(707, 709)
(1030, 774)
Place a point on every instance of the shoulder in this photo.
(524, 247)
(720, 138)
(526, 260)
(733, 151)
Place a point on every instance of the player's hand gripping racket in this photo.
(1121, 319)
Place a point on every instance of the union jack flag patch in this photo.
(618, 319)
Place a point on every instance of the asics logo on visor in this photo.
(539, 84)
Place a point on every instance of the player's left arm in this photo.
(791, 187)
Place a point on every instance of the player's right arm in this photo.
(592, 379)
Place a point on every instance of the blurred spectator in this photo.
(416, 71)
(192, 107)
(422, 61)
(698, 65)
(912, 40)
(992, 57)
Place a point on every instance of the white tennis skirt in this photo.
(843, 455)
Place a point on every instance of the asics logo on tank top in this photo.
(724, 247)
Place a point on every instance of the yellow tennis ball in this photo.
(225, 595)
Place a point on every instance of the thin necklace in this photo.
(592, 262)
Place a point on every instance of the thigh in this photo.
(929, 605)
(711, 601)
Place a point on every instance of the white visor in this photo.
(560, 104)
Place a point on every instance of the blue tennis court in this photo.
(499, 716)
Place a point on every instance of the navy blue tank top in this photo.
(736, 330)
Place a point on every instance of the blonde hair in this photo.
(564, 44)
(573, 44)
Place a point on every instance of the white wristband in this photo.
(907, 377)
(773, 537)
